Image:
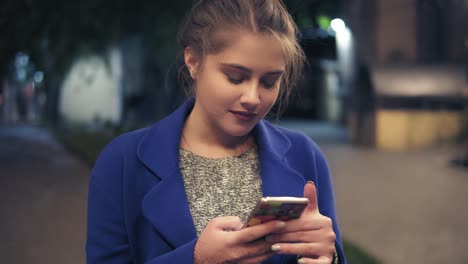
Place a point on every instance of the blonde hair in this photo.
(208, 17)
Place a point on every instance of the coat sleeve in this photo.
(326, 198)
(107, 239)
(183, 254)
(107, 231)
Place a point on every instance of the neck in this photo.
(201, 139)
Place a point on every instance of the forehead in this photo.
(260, 52)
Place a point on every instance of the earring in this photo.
(193, 74)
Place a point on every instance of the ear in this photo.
(192, 61)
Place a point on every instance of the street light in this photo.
(338, 25)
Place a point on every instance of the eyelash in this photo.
(239, 81)
(235, 81)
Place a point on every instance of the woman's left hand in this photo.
(311, 236)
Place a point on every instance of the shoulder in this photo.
(297, 140)
(111, 160)
(124, 143)
(295, 148)
(154, 135)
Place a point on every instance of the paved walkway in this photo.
(404, 207)
(42, 198)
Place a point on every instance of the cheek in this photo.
(270, 97)
(213, 86)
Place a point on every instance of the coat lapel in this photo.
(165, 205)
(278, 178)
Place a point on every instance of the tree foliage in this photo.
(61, 29)
(54, 32)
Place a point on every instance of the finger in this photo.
(303, 237)
(231, 223)
(256, 252)
(307, 223)
(316, 228)
(310, 192)
(321, 260)
(304, 249)
(253, 233)
(257, 259)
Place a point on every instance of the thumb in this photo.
(310, 192)
(225, 223)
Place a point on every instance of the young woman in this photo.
(180, 190)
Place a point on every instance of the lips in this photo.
(244, 115)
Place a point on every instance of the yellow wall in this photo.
(401, 130)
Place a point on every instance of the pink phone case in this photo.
(276, 208)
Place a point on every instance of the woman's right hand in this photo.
(225, 241)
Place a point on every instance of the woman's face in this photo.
(237, 86)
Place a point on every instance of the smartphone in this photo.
(276, 208)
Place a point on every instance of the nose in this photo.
(251, 96)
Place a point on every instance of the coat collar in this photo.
(159, 148)
(166, 202)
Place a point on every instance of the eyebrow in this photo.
(247, 70)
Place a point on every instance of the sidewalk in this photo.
(402, 207)
(43, 199)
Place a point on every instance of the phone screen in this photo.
(276, 208)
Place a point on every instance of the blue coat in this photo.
(137, 208)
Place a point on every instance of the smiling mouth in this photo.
(244, 115)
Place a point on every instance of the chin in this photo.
(240, 132)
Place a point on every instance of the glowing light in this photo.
(21, 60)
(324, 22)
(38, 76)
(338, 25)
(21, 74)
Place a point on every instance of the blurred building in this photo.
(91, 92)
(416, 54)
(327, 76)
(22, 94)
(117, 87)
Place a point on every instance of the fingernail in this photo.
(301, 261)
(311, 182)
(281, 225)
(275, 248)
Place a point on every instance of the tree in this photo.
(54, 32)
